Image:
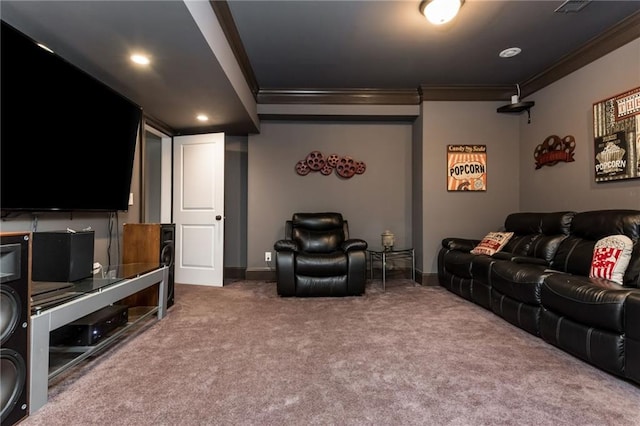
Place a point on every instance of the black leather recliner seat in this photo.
(595, 319)
(317, 257)
(515, 285)
(547, 284)
(536, 235)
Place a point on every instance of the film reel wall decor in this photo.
(553, 150)
(345, 167)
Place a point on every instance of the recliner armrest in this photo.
(530, 260)
(285, 245)
(354, 244)
(505, 255)
(460, 244)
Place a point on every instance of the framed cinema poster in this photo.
(616, 126)
(466, 167)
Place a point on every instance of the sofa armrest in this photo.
(503, 255)
(632, 331)
(529, 260)
(285, 245)
(460, 244)
(354, 244)
(632, 316)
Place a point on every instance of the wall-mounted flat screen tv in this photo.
(67, 140)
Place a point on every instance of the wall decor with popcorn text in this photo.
(616, 128)
(466, 167)
(345, 167)
(553, 150)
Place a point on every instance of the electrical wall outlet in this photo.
(267, 256)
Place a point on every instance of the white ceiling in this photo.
(297, 46)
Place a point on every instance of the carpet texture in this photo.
(413, 355)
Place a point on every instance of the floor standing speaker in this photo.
(15, 278)
(150, 243)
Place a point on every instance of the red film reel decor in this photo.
(332, 160)
(315, 160)
(326, 170)
(553, 150)
(302, 168)
(345, 167)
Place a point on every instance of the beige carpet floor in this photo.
(413, 355)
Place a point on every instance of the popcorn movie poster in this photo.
(466, 167)
(616, 122)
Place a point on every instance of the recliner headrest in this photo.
(317, 221)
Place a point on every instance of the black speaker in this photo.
(167, 257)
(62, 255)
(15, 249)
(150, 243)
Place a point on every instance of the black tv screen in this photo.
(67, 140)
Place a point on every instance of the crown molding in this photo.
(624, 32)
(465, 92)
(339, 96)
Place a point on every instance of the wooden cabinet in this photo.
(149, 243)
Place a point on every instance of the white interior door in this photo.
(198, 208)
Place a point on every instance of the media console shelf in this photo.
(61, 358)
(76, 300)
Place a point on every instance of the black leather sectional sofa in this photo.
(539, 281)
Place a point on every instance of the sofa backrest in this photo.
(537, 234)
(525, 227)
(576, 251)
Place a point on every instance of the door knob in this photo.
(218, 217)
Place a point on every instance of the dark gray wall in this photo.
(372, 202)
(235, 201)
(465, 213)
(152, 177)
(566, 108)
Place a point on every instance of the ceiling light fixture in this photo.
(202, 117)
(140, 59)
(44, 47)
(440, 12)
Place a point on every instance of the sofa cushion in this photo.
(518, 281)
(610, 258)
(492, 243)
(321, 264)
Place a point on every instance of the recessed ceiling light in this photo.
(140, 59)
(45, 47)
(202, 117)
(510, 52)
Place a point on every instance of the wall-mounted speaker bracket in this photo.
(517, 108)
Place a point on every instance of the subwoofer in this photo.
(150, 243)
(15, 278)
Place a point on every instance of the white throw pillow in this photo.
(492, 243)
(611, 257)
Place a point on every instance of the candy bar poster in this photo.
(616, 125)
(466, 167)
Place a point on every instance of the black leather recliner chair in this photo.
(317, 257)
